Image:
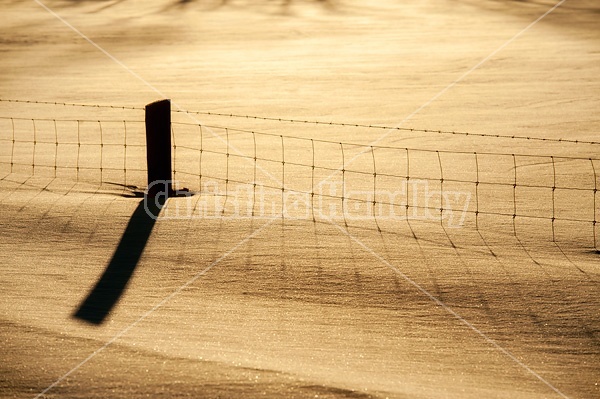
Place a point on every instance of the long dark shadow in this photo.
(111, 286)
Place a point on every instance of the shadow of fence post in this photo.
(111, 286)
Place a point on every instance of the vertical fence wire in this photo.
(12, 149)
(312, 181)
(282, 178)
(343, 197)
(441, 189)
(553, 201)
(407, 184)
(375, 190)
(595, 222)
(55, 148)
(101, 152)
(125, 153)
(200, 159)
(174, 146)
(514, 216)
(34, 145)
(226, 171)
(476, 191)
(255, 167)
(78, 150)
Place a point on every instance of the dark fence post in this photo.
(158, 148)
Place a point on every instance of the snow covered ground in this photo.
(343, 305)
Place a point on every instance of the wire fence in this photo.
(319, 178)
(84, 150)
(247, 173)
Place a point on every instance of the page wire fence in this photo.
(246, 173)
(86, 150)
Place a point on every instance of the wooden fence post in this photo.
(158, 148)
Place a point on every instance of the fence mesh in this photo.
(249, 173)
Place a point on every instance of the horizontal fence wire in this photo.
(65, 104)
(314, 122)
(392, 128)
(382, 183)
